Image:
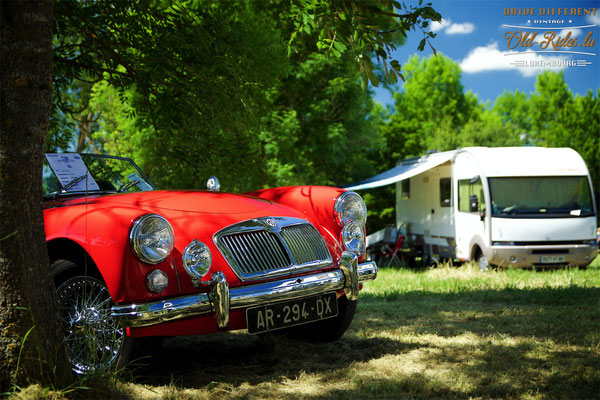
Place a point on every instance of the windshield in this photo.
(553, 196)
(72, 173)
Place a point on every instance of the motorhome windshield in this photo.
(553, 196)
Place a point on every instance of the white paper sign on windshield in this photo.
(69, 167)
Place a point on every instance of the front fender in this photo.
(103, 233)
(477, 241)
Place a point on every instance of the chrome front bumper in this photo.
(220, 299)
(527, 256)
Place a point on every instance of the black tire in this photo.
(94, 341)
(330, 329)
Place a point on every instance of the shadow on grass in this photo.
(236, 358)
(509, 343)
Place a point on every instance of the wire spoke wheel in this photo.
(93, 339)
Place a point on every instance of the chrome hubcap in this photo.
(92, 338)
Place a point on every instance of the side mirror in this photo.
(473, 203)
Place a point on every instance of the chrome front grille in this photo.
(305, 243)
(272, 246)
(256, 251)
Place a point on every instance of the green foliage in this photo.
(561, 120)
(359, 29)
(513, 109)
(191, 89)
(320, 132)
(430, 111)
(193, 76)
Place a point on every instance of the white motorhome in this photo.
(507, 206)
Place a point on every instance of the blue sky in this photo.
(474, 34)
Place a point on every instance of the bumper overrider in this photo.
(220, 299)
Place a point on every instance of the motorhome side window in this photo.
(470, 192)
(445, 196)
(406, 189)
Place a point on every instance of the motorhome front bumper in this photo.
(543, 255)
(220, 299)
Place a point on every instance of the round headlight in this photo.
(349, 206)
(151, 238)
(354, 238)
(196, 259)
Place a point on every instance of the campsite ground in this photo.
(445, 332)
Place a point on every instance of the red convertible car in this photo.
(130, 261)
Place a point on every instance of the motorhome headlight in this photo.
(349, 206)
(353, 238)
(196, 259)
(151, 238)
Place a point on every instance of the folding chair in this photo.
(386, 246)
(394, 254)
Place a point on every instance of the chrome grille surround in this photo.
(269, 247)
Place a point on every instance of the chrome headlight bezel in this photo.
(353, 238)
(349, 206)
(196, 259)
(158, 248)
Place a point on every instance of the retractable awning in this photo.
(406, 169)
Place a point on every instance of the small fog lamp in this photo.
(354, 238)
(196, 259)
(157, 281)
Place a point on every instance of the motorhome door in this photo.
(470, 216)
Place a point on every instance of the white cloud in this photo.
(594, 19)
(491, 58)
(438, 26)
(460, 29)
(451, 28)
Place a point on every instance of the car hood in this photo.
(184, 201)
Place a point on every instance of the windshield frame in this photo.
(62, 192)
(540, 214)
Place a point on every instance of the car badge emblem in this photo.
(271, 222)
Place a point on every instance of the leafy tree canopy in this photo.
(207, 87)
(359, 28)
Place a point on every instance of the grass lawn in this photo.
(443, 332)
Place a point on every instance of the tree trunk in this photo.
(31, 340)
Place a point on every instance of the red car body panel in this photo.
(101, 224)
